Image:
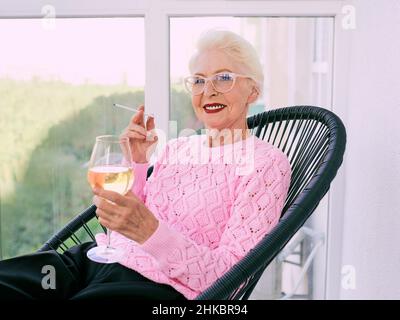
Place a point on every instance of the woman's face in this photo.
(236, 101)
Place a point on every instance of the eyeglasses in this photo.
(221, 82)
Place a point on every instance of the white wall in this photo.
(371, 234)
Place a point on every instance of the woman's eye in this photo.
(224, 77)
(198, 81)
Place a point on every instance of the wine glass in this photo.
(110, 168)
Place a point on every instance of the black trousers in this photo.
(76, 278)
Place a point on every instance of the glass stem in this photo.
(108, 238)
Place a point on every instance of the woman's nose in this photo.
(209, 88)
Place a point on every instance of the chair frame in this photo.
(315, 159)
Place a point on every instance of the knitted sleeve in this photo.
(140, 172)
(259, 199)
(140, 175)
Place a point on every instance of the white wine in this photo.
(114, 178)
(109, 169)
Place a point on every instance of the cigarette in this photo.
(132, 109)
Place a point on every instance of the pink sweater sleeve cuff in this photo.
(162, 242)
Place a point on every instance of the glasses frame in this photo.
(234, 76)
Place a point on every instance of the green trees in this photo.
(51, 186)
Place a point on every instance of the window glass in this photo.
(57, 86)
(296, 56)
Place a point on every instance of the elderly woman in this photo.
(200, 211)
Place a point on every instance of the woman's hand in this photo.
(142, 137)
(125, 214)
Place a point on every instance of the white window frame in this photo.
(157, 94)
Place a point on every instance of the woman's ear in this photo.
(255, 92)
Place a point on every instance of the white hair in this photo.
(235, 46)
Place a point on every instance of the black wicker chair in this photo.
(314, 140)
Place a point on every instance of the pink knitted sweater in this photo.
(213, 206)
